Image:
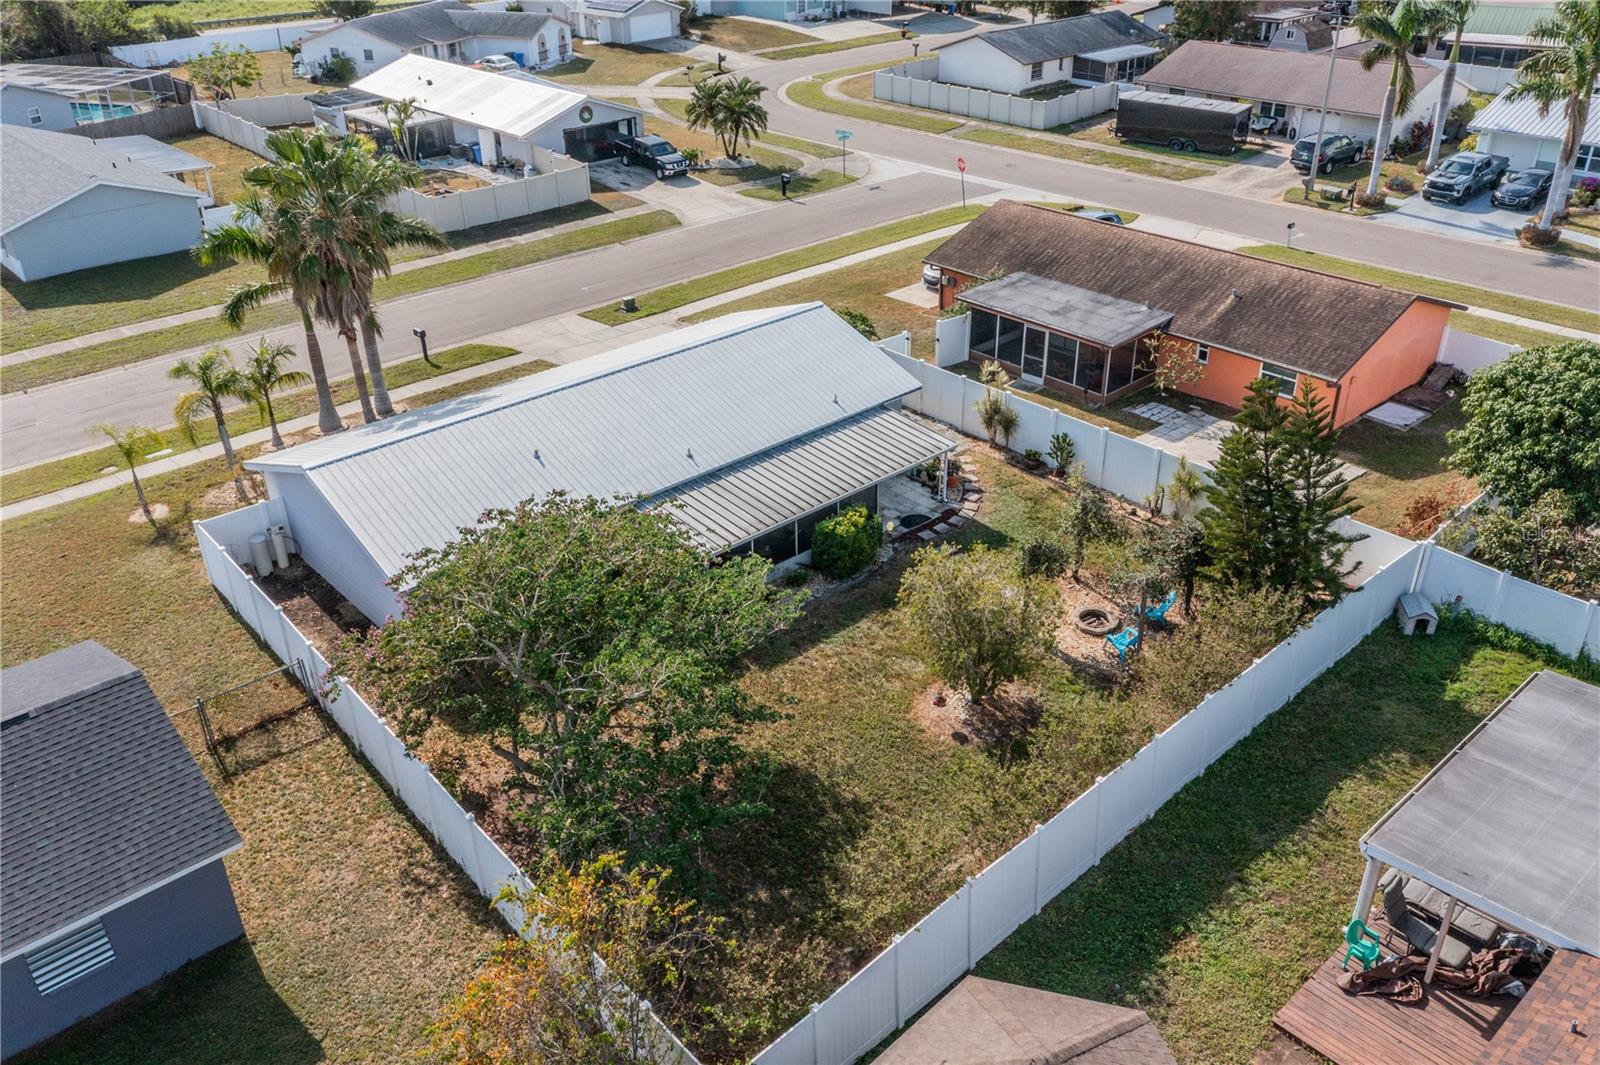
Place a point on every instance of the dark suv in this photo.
(1337, 150)
(656, 153)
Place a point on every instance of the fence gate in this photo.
(249, 723)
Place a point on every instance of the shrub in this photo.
(692, 156)
(1400, 183)
(1375, 200)
(1459, 116)
(858, 321)
(846, 543)
(1535, 237)
(1044, 558)
(1586, 192)
(997, 419)
(1062, 452)
(1469, 143)
(1420, 135)
(339, 68)
(173, 27)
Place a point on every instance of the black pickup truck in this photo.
(654, 152)
(1464, 175)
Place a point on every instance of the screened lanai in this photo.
(1072, 339)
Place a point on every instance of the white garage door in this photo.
(650, 27)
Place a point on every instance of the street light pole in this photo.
(1322, 118)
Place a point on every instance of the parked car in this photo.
(1099, 216)
(1464, 175)
(655, 152)
(1182, 123)
(499, 64)
(1338, 149)
(930, 275)
(1523, 190)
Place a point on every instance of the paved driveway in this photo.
(1477, 219)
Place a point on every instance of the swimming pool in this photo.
(90, 112)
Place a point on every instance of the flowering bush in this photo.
(1586, 193)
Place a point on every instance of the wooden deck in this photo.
(1443, 1029)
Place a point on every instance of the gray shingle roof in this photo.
(1044, 41)
(1240, 71)
(43, 170)
(1313, 322)
(447, 20)
(99, 796)
(1072, 309)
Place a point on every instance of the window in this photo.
(1282, 375)
(1061, 357)
(334, 53)
(1268, 109)
(867, 497)
(562, 42)
(807, 525)
(1036, 72)
(1008, 346)
(983, 326)
(1089, 69)
(1288, 34)
(1588, 158)
(71, 957)
(35, 117)
(777, 545)
(1061, 64)
(366, 53)
(1202, 353)
(544, 52)
(454, 50)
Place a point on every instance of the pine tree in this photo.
(1250, 524)
(1322, 497)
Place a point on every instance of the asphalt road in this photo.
(57, 419)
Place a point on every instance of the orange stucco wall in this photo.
(1400, 358)
(1227, 375)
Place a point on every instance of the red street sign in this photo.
(961, 164)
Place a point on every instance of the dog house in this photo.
(1416, 615)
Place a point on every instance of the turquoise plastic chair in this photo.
(1157, 612)
(1123, 642)
(1356, 935)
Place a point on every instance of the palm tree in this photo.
(1391, 31)
(266, 374)
(134, 443)
(215, 378)
(1566, 71)
(1453, 15)
(742, 112)
(704, 110)
(398, 114)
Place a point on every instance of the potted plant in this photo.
(1032, 459)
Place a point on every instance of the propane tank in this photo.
(261, 555)
(280, 545)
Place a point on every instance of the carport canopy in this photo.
(1509, 822)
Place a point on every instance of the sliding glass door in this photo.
(1033, 342)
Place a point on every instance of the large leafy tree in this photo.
(589, 644)
(540, 1000)
(1533, 420)
(344, 9)
(1389, 30)
(1209, 20)
(731, 109)
(977, 621)
(1541, 542)
(1086, 519)
(1451, 17)
(1277, 497)
(1565, 72)
(222, 70)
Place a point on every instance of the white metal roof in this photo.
(515, 105)
(70, 81)
(1116, 55)
(157, 155)
(1505, 115)
(1509, 822)
(634, 422)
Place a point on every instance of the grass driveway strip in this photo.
(1135, 164)
(75, 469)
(1522, 306)
(685, 292)
(125, 350)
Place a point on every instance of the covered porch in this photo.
(1092, 347)
(1495, 850)
(176, 163)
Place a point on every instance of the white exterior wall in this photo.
(1521, 149)
(354, 43)
(103, 225)
(54, 111)
(327, 544)
(982, 66)
(478, 47)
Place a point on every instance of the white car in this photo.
(499, 64)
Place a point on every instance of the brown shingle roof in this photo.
(1539, 1029)
(1299, 78)
(1314, 322)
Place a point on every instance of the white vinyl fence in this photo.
(562, 180)
(252, 38)
(224, 540)
(1469, 352)
(940, 948)
(914, 84)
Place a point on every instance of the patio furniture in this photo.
(1431, 903)
(1356, 935)
(1418, 933)
(1123, 642)
(1157, 612)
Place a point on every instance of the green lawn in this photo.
(277, 76)
(680, 109)
(1505, 332)
(1213, 913)
(1098, 131)
(769, 164)
(612, 64)
(1403, 466)
(230, 160)
(1062, 149)
(823, 47)
(125, 350)
(746, 34)
(75, 469)
(357, 929)
(671, 296)
(1297, 196)
(804, 185)
(59, 308)
(1554, 313)
(808, 93)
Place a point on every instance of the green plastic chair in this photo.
(1356, 935)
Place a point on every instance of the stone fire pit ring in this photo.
(1097, 620)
